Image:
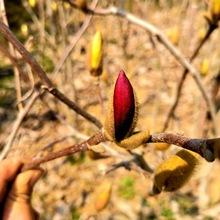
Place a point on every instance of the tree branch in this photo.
(165, 41)
(17, 124)
(94, 140)
(207, 148)
(73, 43)
(183, 77)
(43, 77)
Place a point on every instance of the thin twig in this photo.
(135, 162)
(12, 51)
(43, 77)
(79, 135)
(129, 165)
(170, 47)
(24, 76)
(75, 40)
(73, 105)
(50, 145)
(94, 140)
(17, 124)
(183, 77)
(15, 63)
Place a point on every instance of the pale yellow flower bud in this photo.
(174, 172)
(95, 54)
(81, 4)
(103, 197)
(32, 3)
(204, 67)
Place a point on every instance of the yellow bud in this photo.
(213, 14)
(174, 172)
(81, 4)
(215, 7)
(103, 196)
(161, 146)
(54, 6)
(93, 155)
(95, 152)
(204, 67)
(201, 33)
(173, 35)
(24, 29)
(96, 49)
(32, 3)
(95, 54)
(66, 5)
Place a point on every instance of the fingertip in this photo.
(24, 182)
(8, 171)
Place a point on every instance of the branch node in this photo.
(49, 89)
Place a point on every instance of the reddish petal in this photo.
(124, 106)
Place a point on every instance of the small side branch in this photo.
(43, 76)
(94, 140)
(75, 40)
(169, 46)
(183, 77)
(17, 124)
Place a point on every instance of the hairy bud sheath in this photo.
(174, 172)
(95, 62)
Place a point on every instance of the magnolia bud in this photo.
(215, 8)
(124, 107)
(104, 196)
(174, 172)
(54, 6)
(213, 14)
(95, 152)
(174, 35)
(24, 29)
(96, 55)
(201, 33)
(204, 67)
(32, 3)
(122, 114)
(82, 4)
(161, 146)
(122, 111)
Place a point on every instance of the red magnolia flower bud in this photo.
(122, 114)
(124, 107)
(122, 111)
